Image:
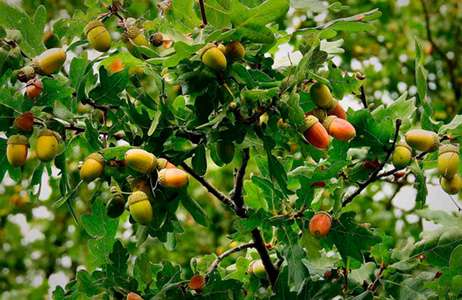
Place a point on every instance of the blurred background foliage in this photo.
(41, 246)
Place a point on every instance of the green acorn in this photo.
(402, 155)
(448, 160)
(140, 208)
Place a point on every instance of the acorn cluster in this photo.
(141, 199)
(328, 119)
(216, 57)
(46, 147)
(428, 141)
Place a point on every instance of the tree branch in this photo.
(225, 254)
(212, 190)
(236, 194)
(260, 245)
(204, 17)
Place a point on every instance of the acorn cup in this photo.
(140, 208)
(339, 129)
(315, 133)
(134, 36)
(98, 36)
(92, 168)
(452, 186)
(213, 58)
(16, 151)
(115, 206)
(162, 163)
(335, 109)
(402, 155)
(24, 122)
(172, 178)
(448, 160)
(319, 113)
(422, 140)
(156, 39)
(34, 87)
(320, 224)
(235, 51)
(320, 95)
(140, 160)
(46, 147)
(257, 269)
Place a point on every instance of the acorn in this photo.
(315, 133)
(235, 51)
(115, 206)
(34, 88)
(156, 39)
(134, 36)
(140, 208)
(422, 140)
(172, 178)
(452, 186)
(213, 58)
(257, 269)
(141, 161)
(46, 147)
(225, 151)
(197, 283)
(319, 113)
(335, 109)
(49, 62)
(448, 160)
(92, 168)
(162, 163)
(402, 155)
(339, 129)
(133, 296)
(320, 224)
(24, 123)
(98, 36)
(320, 95)
(16, 151)
(222, 48)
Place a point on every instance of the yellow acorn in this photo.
(98, 36)
(134, 36)
(452, 186)
(172, 178)
(16, 151)
(257, 269)
(422, 140)
(320, 95)
(235, 51)
(402, 155)
(213, 58)
(46, 147)
(92, 168)
(140, 160)
(140, 208)
(448, 160)
(50, 61)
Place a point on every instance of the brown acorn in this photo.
(320, 224)
(133, 296)
(24, 122)
(34, 88)
(315, 133)
(335, 109)
(197, 283)
(156, 39)
(339, 129)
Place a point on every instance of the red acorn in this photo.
(335, 109)
(315, 133)
(320, 224)
(34, 88)
(339, 129)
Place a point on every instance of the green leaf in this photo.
(144, 271)
(400, 109)
(107, 91)
(183, 51)
(438, 245)
(350, 238)
(454, 127)
(197, 212)
(30, 29)
(409, 287)
(103, 229)
(199, 160)
(116, 153)
(420, 183)
(119, 259)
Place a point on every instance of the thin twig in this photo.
(373, 286)
(225, 254)
(236, 194)
(362, 96)
(212, 190)
(204, 17)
